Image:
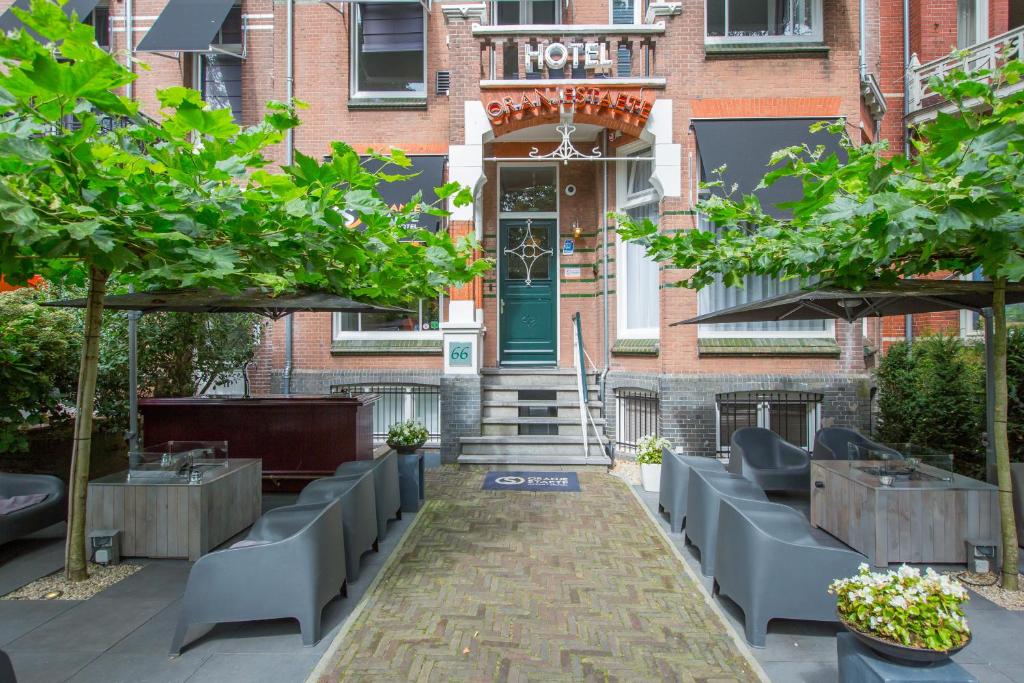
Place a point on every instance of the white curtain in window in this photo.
(641, 278)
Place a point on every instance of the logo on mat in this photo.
(510, 481)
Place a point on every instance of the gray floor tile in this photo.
(48, 667)
(18, 617)
(159, 579)
(256, 668)
(92, 626)
(25, 560)
(988, 674)
(801, 672)
(121, 668)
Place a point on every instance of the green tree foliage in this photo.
(897, 395)
(956, 205)
(188, 200)
(1015, 386)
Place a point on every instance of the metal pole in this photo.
(990, 398)
(289, 154)
(129, 41)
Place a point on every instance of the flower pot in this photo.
(910, 656)
(650, 477)
(406, 450)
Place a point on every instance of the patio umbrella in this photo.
(880, 299)
(899, 298)
(214, 301)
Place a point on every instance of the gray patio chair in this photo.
(675, 477)
(833, 443)
(385, 486)
(39, 515)
(765, 458)
(291, 564)
(359, 512)
(705, 493)
(770, 565)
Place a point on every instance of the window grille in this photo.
(398, 403)
(793, 415)
(636, 416)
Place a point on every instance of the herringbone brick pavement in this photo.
(517, 586)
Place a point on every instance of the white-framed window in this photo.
(758, 21)
(389, 50)
(423, 321)
(625, 12)
(637, 276)
(218, 75)
(971, 22)
(100, 21)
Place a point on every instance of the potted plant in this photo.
(648, 455)
(406, 437)
(904, 615)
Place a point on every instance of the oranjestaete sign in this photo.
(629, 107)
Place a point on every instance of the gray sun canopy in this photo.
(9, 22)
(186, 26)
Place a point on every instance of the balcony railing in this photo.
(988, 55)
(613, 51)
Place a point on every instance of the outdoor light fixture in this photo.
(105, 545)
(849, 304)
(576, 229)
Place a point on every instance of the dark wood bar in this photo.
(298, 438)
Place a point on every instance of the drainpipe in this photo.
(863, 44)
(908, 320)
(289, 157)
(604, 250)
(129, 44)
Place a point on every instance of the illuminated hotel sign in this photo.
(627, 107)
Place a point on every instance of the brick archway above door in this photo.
(624, 109)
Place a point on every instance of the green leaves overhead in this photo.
(189, 198)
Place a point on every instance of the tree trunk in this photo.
(75, 555)
(1010, 560)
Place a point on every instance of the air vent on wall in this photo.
(443, 82)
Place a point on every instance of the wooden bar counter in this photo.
(298, 438)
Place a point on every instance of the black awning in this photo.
(431, 176)
(745, 146)
(186, 26)
(9, 22)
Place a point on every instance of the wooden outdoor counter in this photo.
(298, 438)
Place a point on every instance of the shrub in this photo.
(1015, 382)
(648, 449)
(39, 356)
(904, 607)
(897, 397)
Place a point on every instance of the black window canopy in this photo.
(9, 22)
(188, 26)
(745, 146)
(431, 175)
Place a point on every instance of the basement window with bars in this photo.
(400, 403)
(761, 21)
(793, 415)
(636, 416)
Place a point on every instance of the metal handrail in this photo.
(580, 359)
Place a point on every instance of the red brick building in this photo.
(556, 112)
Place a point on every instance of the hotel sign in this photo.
(626, 106)
(591, 56)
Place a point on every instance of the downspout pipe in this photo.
(908, 320)
(129, 45)
(289, 157)
(863, 42)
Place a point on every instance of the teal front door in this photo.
(528, 290)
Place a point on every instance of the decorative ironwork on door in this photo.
(531, 248)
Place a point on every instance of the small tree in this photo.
(187, 201)
(956, 205)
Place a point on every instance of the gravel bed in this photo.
(628, 470)
(986, 585)
(56, 587)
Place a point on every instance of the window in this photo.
(100, 20)
(624, 12)
(971, 22)
(389, 50)
(424, 318)
(636, 416)
(528, 189)
(512, 12)
(220, 82)
(638, 276)
(793, 415)
(753, 21)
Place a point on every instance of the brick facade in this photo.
(698, 83)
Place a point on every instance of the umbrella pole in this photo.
(990, 398)
(133, 379)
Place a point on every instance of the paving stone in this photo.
(18, 617)
(255, 668)
(500, 585)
